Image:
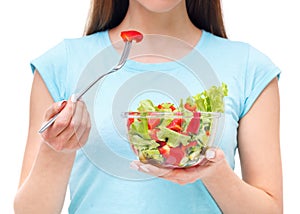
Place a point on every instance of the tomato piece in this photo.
(207, 132)
(176, 124)
(194, 124)
(175, 156)
(160, 106)
(172, 107)
(130, 119)
(175, 128)
(153, 122)
(190, 107)
(191, 144)
(129, 122)
(161, 143)
(130, 35)
(167, 106)
(164, 150)
(153, 134)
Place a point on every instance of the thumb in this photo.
(214, 154)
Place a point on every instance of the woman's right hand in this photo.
(71, 128)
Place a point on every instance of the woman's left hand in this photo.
(185, 175)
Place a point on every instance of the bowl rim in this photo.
(150, 114)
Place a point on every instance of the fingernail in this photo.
(144, 168)
(62, 103)
(210, 154)
(73, 98)
(134, 166)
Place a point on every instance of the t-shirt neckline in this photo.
(140, 66)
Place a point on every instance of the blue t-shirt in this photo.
(101, 179)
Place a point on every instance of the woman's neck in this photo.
(175, 23)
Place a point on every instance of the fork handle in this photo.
(74, 98)
(77, 96)
(48, 123)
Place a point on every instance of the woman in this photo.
(54, 159)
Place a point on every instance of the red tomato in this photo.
(194, 124)
(176, 124)
(153, 134)
(164, 150)
(175, 156)
(191, 144)
(190, 107)
(153, 122)
(130, 120)
(172, 107)
(131, 35)
(161, 143)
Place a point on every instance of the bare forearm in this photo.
(44, 189)
(233, 195)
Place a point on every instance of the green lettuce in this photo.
(210, 100)
(146, 106)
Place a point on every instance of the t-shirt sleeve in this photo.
(52, 66)
(260, 72)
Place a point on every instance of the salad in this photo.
(168, 136)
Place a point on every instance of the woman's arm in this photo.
(49, 157)
(260, 191)
(259, 149)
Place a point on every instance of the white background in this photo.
(28, 28)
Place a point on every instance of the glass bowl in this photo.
(171, 139)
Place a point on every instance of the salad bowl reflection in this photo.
(171, 139)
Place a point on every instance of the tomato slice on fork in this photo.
(131, 35)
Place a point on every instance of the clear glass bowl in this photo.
(171, 139)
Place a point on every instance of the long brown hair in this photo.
(107, 14)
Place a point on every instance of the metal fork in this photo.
(75, 97)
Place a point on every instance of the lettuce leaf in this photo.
(146, 106)
(211, 100)
(140, 127)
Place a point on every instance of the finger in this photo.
(85, 136)
(64, 118)
(66, 141)
(73, 132)
(214, 155)
(77, 133)
(75, 142)
(151, 169)
(61, 122)
(54, 109)
(81, 119)
(72, 123)
(180, 176)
